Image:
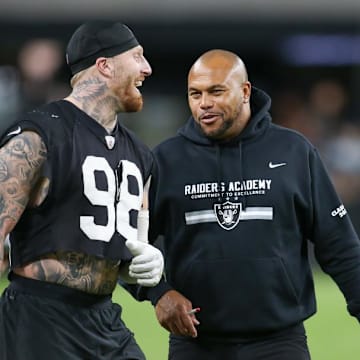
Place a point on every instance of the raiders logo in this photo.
(228, 214)
(110, 141)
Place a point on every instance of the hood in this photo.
(260, 119)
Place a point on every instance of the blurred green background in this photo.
(332, 333)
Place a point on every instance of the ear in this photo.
(246, 86)
(104, 66)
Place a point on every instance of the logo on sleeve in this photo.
(15, 132)
(340, 211)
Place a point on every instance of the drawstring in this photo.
(219, 171)
(242, 177)
(219, 174)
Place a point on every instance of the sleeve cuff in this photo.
(155, 293)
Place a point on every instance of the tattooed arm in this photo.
(21, 161)
(4, 263)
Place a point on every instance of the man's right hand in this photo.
(147, 265)
(172, 313)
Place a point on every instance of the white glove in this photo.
(147, 264)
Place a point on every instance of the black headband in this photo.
(95, 39)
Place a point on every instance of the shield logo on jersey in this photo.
(228, 214)
(110, 141)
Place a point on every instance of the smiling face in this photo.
(218, 94)
(130, 70)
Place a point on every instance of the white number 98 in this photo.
(118, 210)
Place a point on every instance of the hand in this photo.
(172, 313)
(147, 264)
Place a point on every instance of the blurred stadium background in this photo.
(305, 54)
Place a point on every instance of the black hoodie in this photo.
(236, 219)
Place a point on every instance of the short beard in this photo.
(220, 133)
(133, 105)
(131, 101)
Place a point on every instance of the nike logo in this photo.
(15, 132)
(273, 166)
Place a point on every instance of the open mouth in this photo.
(209, 118)
(138, 84)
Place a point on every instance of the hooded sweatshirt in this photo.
(236, 219)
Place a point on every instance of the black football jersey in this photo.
(96, 186)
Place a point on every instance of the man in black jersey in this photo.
(71, 189)
(237, 199)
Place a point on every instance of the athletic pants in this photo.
(43, 321)
(289, 344)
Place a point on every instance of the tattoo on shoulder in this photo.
(27, 151)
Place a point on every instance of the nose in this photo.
(206, 102)
(147, 71)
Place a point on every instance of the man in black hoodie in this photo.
(237, 200)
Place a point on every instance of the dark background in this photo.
(305, 54)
